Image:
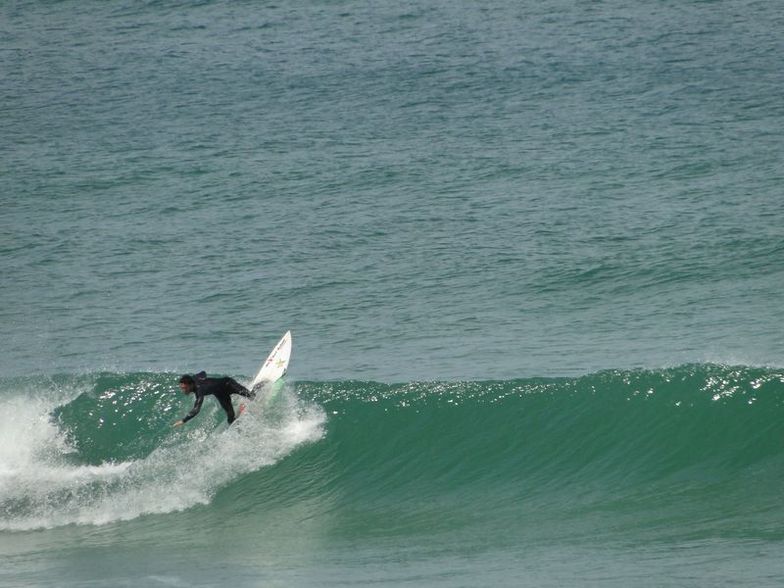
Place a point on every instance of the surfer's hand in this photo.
(179, 423)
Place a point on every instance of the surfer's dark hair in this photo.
(188, 379)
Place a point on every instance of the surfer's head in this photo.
(187, 384)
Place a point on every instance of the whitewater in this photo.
(111, 455)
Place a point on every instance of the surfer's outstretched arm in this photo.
(194, 411)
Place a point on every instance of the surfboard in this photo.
(276, 364)
(271, 371)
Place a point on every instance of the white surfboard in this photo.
(276, 364)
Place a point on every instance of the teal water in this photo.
(663, 477)
(531, 254)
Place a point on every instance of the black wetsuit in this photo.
(220, 388)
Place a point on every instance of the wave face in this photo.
(693, 451)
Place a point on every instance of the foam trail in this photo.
(43, 485)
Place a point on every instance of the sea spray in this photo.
(111, 454)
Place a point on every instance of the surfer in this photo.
(220, 388)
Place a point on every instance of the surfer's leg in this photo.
(226, 405)
(237, 388)
(248, 393)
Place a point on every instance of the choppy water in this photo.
(531, 254)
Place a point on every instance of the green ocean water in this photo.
(665, 477)
(531, 254)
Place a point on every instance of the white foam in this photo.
(42, 487)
